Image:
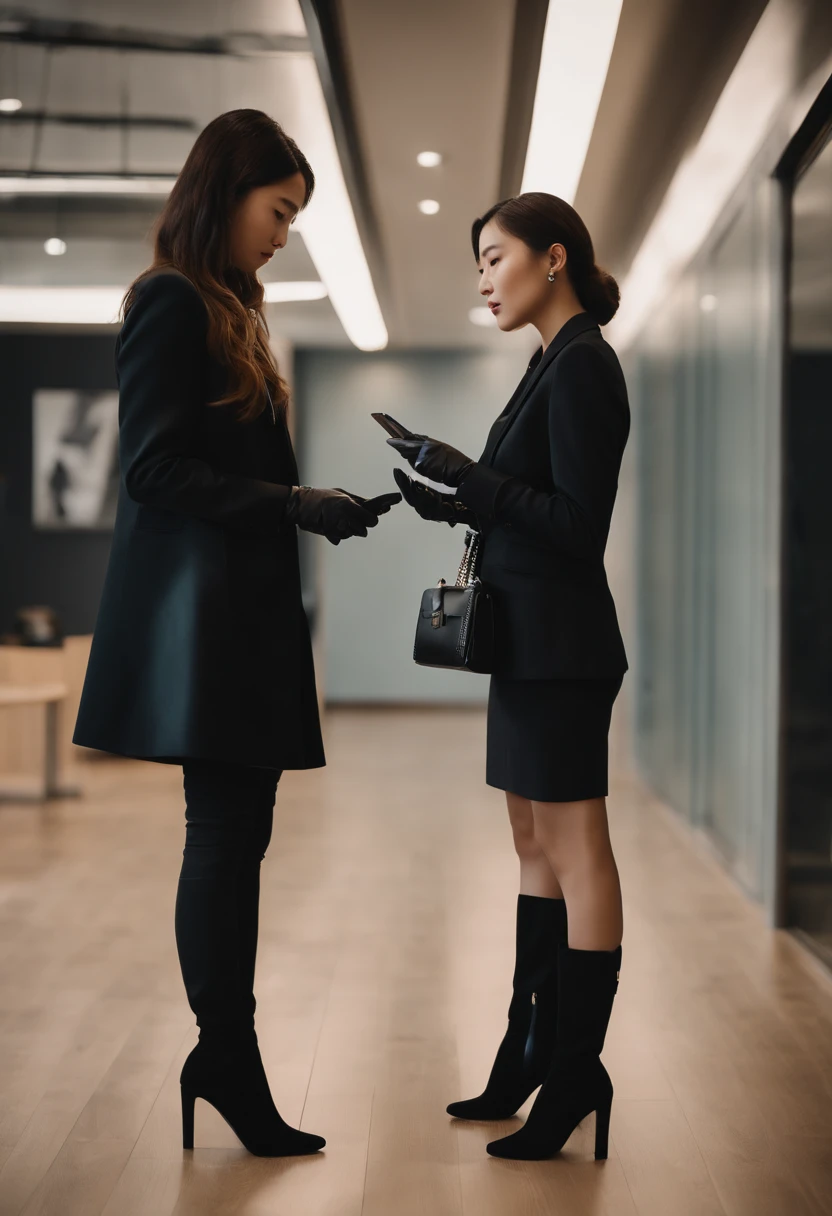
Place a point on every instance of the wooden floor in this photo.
(386, 952)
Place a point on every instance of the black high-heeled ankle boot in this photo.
(524, 1055)
(577, 1082)
(227, 1072)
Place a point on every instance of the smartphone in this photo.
(382, 503)
(391, 426)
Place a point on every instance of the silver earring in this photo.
(551, 276)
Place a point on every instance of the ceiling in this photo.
(108, 240)
(670, 63)
(400, 78)
(432, 76)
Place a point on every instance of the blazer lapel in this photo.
(494, 433)
(578, 324)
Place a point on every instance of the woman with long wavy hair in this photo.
(541, 496)
(201, 655)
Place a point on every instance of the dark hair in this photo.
(542, 220)
(234, 154)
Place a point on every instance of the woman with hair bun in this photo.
(541, 496)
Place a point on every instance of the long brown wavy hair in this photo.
(234, 154)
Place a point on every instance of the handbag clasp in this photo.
(437, 617)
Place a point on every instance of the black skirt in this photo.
(548, 739)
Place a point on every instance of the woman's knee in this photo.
(521, 819)
(527, 848)
(574, 836)
(222, 846)
(261, 835)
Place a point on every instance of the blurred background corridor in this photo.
(695, 140)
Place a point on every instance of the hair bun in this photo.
(599, 294)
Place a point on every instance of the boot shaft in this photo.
(587, 984)
(541, 930)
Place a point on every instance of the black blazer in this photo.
(543, 491)
(201, 647)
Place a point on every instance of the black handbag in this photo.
(456, 624)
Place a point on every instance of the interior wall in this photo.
(62, 569)
(370, 589)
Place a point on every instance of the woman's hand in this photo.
(430, 504)
(330, 513)
(434, 459)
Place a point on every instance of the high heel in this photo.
(602, 1131)
(525, 1053)
(229, 1075)
(188, 1104)
(577, 1083)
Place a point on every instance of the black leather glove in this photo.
(434, 459)
(430, 504)
(330, 513)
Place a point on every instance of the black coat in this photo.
(543, 491)
(201, 647)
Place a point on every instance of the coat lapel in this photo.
(578, 324)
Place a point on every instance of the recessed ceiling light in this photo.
(428, 206)
(482, 316)
(707, 303)
(55, 246)
(10, 105)
(429, 160)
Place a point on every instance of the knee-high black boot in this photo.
(229, 810)
(577, 1082)
(525, 1053)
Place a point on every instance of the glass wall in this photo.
(807, 574)
(706, 423)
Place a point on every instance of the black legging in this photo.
(228, 812)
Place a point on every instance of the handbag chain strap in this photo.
(468, 566)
